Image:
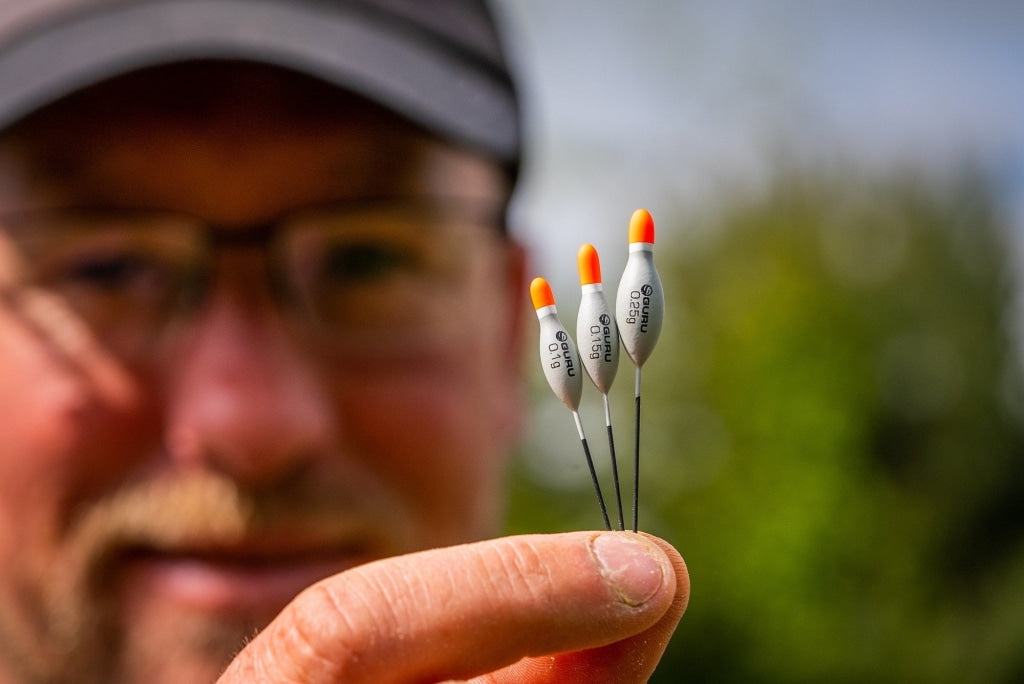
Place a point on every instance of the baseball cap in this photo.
(439, 63)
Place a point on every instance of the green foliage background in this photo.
(832, 436)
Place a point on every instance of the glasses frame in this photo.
(270, 237)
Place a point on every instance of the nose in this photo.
(245, 400)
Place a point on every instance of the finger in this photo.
(464, 611)
(633, 659)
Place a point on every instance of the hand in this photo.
(588, 607)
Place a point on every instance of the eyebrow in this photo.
(477, 210)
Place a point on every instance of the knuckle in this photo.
(523, 571)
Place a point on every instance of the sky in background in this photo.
(673, 105)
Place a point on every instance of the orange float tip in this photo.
(589, 265)
(641, 227)
(540, 293)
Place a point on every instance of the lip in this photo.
(234, 581)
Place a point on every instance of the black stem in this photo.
(597, 484)
(636, 465)
(615, 476)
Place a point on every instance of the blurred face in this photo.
(236, 356)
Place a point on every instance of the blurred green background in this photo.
(831, 436)
(833, 427)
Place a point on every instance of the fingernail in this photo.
(630, 565)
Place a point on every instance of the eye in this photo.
(366, 261)
(126, 278)
(114, 273)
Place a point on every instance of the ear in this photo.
(516, 310)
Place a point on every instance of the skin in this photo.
(156, 515)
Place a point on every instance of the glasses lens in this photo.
(125, 276)
(382, 269)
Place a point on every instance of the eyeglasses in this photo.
(358, 273)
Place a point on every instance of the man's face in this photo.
(161, 500)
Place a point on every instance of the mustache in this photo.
(206, 510)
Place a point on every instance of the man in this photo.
(259, 330)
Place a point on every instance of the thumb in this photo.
(464, 611)
(632, 659)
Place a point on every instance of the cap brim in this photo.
(442, 89)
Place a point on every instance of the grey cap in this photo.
(439, 63)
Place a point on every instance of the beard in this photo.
(77, 625)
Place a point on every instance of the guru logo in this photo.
(601, 340)
(559, 353)
(640, 307)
